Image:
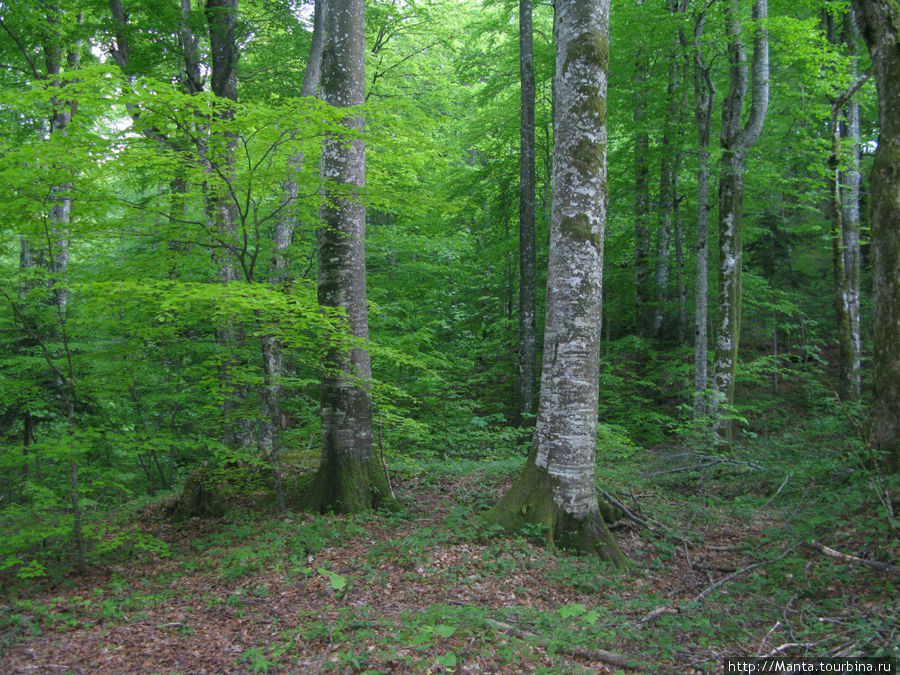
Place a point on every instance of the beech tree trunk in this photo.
(272, 348)
(527, 263)
(879, 23)
(350, 477)
(642, 290)
(704, 96)
(736, 142)
(843, 190)
(668, 180)
(557, 488)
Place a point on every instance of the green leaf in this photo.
(575, 609)
(338, 582)
(447, 660)
(445, 631)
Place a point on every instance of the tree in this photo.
(557, 488)
(527, 265)
(704, 96)
(879, 23)
(736, 142)
(349, 478)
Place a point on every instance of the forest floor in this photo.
(723, 566)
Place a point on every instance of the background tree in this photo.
(527, 271)
(737, 139)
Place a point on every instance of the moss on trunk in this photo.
(530, 502)
(349, 486)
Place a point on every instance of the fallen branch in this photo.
(743, 570)
(852, 559)
(628, 513)
(602, 655)
(710, 460)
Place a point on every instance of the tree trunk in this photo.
(272, 349)
(668, 180)
(736, 142)
(843, 298)
(557, 488)
(704, 95)
(350, 478)
(642, 291)
(527, 263)
(879, 22)
(850, 180)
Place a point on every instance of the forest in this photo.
(422, 336)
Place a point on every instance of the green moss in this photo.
(349, 486)
(578, 228)
(588, 157)
(590, 48)
(530, 502)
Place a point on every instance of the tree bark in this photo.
(642, 292)
(557, 488)
(527, 263)
(704, 96)
(736, 141)
(879, 23)
(668, 180)
(272, 348)
(349, 478)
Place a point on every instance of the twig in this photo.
(387, 476)
(789, 645)
(724, 580)
(847, 558)
(766, 637)
(602, 655)
(778, 491)
(628, 513)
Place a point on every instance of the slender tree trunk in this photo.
(736, 142)
(642, 292)
(527, 263)
(843, 298)
(350, 477)
(879, 23)
(850, 180)
(272, 348)
(668, 179)
(704, 93)
(557, 488)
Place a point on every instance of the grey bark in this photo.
(558, 488)
(272, 347)
(704, 96)
(642, 291)
(736, 142)
(850, 180)
(349, 476)
(668, 179)
(879, 23)
(527, 263)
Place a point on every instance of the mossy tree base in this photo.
(349, 486)
(530, 502)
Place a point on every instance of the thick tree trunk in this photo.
(527, 264)
(557, 488)
(736, 142)
(879, 22)
(704, 93)
(350, 478)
